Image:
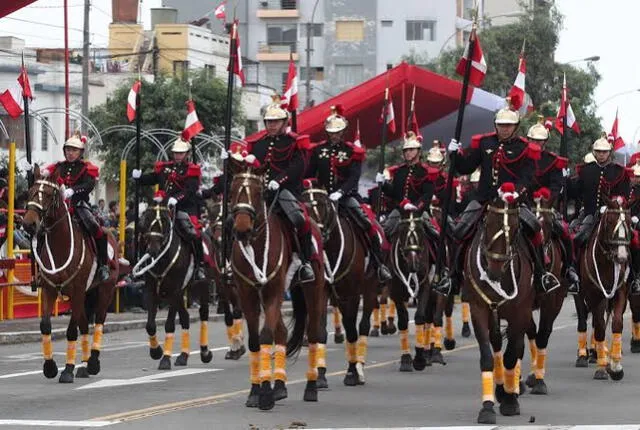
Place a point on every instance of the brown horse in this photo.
(498, 275)
(348, 275)
(263, 265)
(604, 267)
(167, 276)
(67, 263)
(550, 303)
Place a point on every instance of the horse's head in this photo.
(615, 229)
(247, 188)
(544, 211)
(412, 236)
(501, 225)
(156, 225)
(321, 209)
(45, 200)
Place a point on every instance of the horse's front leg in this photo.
(349, 310)
(599, 334)
(369, 300)
(449, 336)
(155, 350)
(82, 371)
(49, 368)
(66, 377)
(272, 317)
(615, 368)
(185, 340)
(406, 361)
(436, 310)
(480, 319)
(105, 294)
(634, 304)
(280, 362)
(251, 310)
(205, 353)
(581, 310)
(169, 332)
(509, 405)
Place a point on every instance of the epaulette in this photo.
(393, 169)
(561, 162)
(92, 169)
(160, 165)
(358, 152)
(302, 142)
(622, 173)
(193, 170)
(629, 172)
(633, 159)
(256, 137)
(475, 139)
(534, 151)
(315, 145)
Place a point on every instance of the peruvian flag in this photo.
(132, 100)
(618, 143)
(220, 11)
(290, 99)
(565, 109)
(356, 138)
(236, 56)
(13, 98)
(388, 115)
(192, 125)
(478, 64)
(517, 92)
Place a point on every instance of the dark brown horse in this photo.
(263, 266)
(347, 275)
(67, 263)
(167, 266)
(604, 268)
(498, 279)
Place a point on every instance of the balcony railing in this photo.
(277, 51)
(278, 9)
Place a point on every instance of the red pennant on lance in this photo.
(517, 92)
(478, 63)
(356, 138)
(131, 101)
(237, 55)
(413, 119)
(23, 80)
(389, 115)
(220, 12)
(571, 118)
(290, 99)
(192, 125)
(618, 142)
(12, 99)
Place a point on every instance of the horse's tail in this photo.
(298, 320)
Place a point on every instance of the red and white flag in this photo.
(618, 142)
(220, 12)
(132, 100)
(478, 64)
(517, 92)
(387, 114)
(236, 56)
(568, 111)
(192, 125)
(13, 98)
(290, 99)
(356, 138)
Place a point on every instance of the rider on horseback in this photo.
(634, 203)
(503, 157)
(179, 181)
(337, 164)
(592, 182)
(548, 174)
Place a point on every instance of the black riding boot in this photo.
(571, 273)
(634, 288)
(103, 263)
(544, 280)
(305, 273)
(198, 260)
(384, 274)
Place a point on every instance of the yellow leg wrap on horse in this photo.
(71, 352)
(337, 318)
(593, 340)
(437, 337)
(185, 343)
(392, 309)
(404, 341)
(97, 337)
(85, 345)
(428, 332)
(582, 343)
(601, 349)
(466, 312)
(541, 360)
(518, 373)
(47, 347)
(312, 369)
(487, 387)
(168, 344)
(204, 333)
(533, 351)
(498, 368)
(420, 332)
(509, 378)
(361, 354)
(448, 327)
(265, 363)
(279, 369)
(230, 331)
(350, 351)
(322, 355)
(616, 347)
(153, 341)
(254, 367)
(237, 330)
(376, 317)
(636, 331)
(383, 311)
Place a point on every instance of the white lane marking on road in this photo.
(30, 356)
(31, 372)
(56, 423)
(516, 427)
(158, 377)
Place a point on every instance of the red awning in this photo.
(10, 6)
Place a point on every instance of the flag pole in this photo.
(383, 145)
(136, 230)
(294, 113)
(564, 149)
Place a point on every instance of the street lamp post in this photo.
(309, 27)
(593, 58)
(622, 93)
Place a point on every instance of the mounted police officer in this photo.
(503, 157)
(549, 172)
(337, 165)
(436, 160)
(178, 182)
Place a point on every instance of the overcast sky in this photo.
(590, 28)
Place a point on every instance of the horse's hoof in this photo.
(384, 329)
(311, 392)
(82, 372)
(449, 344)
(582, 361)
(500, 393)
(539, 387)
(66, 377)
(50, 369)
(205, 354)
(466, 332)
(531, 380)
(510, 406)
(156, 353)
(375, 332)
(265, 399)
(406, 363)
(182, 359)
(338, 337)
(322, 383)
(487, 415)
(522, 387)
(351, 377)
(165, 363)
(254, 394)
(419, 361)
(615, 375)
(635, 346)
(391, 329)
(279, 391)
(436, 356)
(93, 364)
(241, 351)
(601, 375)
(593, 356)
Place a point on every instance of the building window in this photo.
(421, 30)
(317, 73)
(277, 76)
(44, 140)
(209, 71)
(349, 74)
(349, 31)
(180, 69)
(467, 9)
(386, 23)
(286, 35)
(316, 30)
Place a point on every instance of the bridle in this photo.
(413, 238)
(165, 245)
(505, 233)
(615, 239)
(330, 220)
(38, 205)
(245, 188)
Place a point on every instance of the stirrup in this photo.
(574, 288)
(199, 274)
(443, 285)
(549, 278)
(305, 273)
(635, 287)
(103, 272)
(384, 274)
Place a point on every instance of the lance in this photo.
(136, 230)
(294, 113)
(383, 144)
(564, 150)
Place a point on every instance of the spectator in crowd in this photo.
(113, 214)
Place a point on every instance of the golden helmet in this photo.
(538, 131)
(335, 122)
(589, 158)
(435, 154)
(507, 115)
(180, 145)
(602, 144)
(475, 176)
(76, 141)
(274, 110)
(411, 141)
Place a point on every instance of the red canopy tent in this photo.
(10, 6)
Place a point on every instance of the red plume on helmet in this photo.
(548, 123)
(185, 136)
(508, 187)
(337, 109)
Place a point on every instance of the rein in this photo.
(412, 242)
(139, 269)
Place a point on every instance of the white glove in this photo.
(335, 196)
(634, 220)
(24, 165)
(172, 202)
(380, 178)
(136, 173)
(410, 207)
(224, 155)
(273, 185)
(68, 193)
(454, 146)
(566, 172)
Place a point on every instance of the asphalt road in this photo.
(206, 396)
